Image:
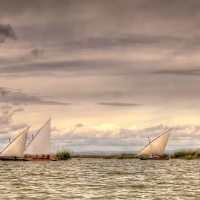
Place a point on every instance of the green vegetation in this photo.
(64, 155)
(187, 154)
(127, 156)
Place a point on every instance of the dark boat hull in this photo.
(28, 159)
(161, 158)
(41, 159)
(12, 159)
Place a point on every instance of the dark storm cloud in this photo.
(6, 31)
(141, 25)
(132, 16)
(37, 52)
(118, 104)
(194, 72)
(17, 98)
(143, 5)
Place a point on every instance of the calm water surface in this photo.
(101, 179)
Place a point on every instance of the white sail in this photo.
(157, 146)
(41, 143)
(17, 146)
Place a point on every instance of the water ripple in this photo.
(100, 179)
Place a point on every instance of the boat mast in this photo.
(149, 144)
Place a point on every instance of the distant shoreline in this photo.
(106, 156)
(184, 154)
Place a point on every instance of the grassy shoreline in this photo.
(188, 154)
(110, 156)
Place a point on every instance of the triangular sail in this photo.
(41, 143)
(157, 146)
(17, 146)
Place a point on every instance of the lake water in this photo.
(101, 179)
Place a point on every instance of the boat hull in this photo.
(28, 159)
(12, 159)
(41, 159)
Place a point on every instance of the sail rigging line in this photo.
(38, 132)
(14, 140)
(154, 140)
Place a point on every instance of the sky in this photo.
(109, 73)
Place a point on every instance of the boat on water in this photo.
(39, 148)
(155, 149)
(14, 151)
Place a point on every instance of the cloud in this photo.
(19, 98)
(37, 52)
(6, 31)
(118, 104)
(68, 66)
(129, 40)
(6, 122)
(194, 72)
(18, 110)
(9, 127)
(112, 136)
(82, 132)
(99, 62)
(3, 91)
(79, 125)
(5, 108)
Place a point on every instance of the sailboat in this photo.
(40, 145)
(156, 148)
(14, 151)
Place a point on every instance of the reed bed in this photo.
(127, 156)
(64, 155)
(187, 154)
